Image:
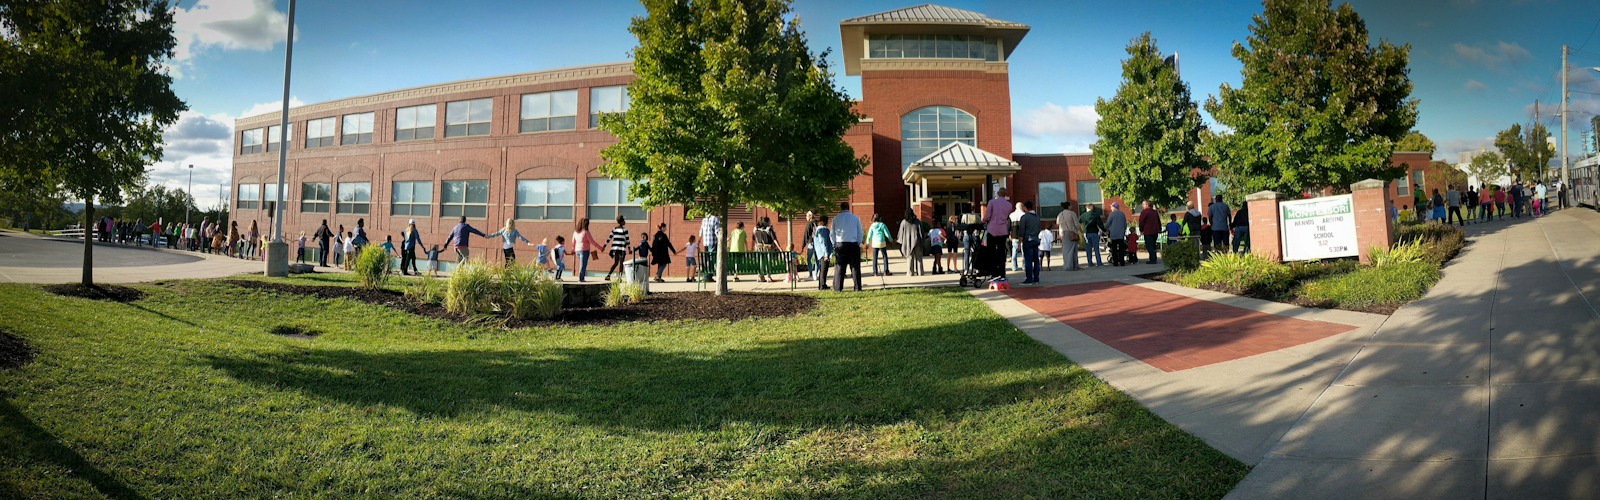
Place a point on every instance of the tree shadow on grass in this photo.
(860, 380)
(24, 441)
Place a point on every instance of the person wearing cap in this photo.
(409, 241)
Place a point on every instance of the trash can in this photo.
(637, 272)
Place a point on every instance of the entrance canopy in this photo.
(957, 166)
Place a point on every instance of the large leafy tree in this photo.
(1488, 167)
(85, 99)
(1320, 107)
(1149, 146)
(156, 202)
(730, 107)
(1416, 141)
(1527, 151)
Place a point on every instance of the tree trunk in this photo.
(722, 248)
(88, 241)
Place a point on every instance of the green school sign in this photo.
(1318, 228)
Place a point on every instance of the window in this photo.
(319, 133)
(415, 122)
(933, 46)
(926, 130)
(250, 142)
(1089, 193)
(354, 197)
(546, 199)
(249, 195)
(1403, 186)
(465, 118)
(1420, 182)
(1051, 196)
(607, 100)
(315, 196)
(609, 198)
(272, 136)
(269, 198)
(469, 198)
(358, 129)
(412, 198)
(550, 111)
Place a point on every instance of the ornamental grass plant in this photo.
(372, 266)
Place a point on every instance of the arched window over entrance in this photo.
(927, 129)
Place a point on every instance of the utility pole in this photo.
(277, 257)
(190, 195)
(1565, 174)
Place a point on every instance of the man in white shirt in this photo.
(710, 238)
(846, 232)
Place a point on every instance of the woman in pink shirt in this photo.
(1499, 203)
(585, 245)
(1485, 202)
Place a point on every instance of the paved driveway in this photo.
(33, 259)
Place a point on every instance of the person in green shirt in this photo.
(879, 238)
(737, 243)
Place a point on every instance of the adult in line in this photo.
(584, 244)
(1499, 204)
(806, 248)
(661, 251)
(461, 236)
(880, 239)
(997, 228)
(358, 238)
(409, 241)
(846, 233)
(766, 242)
(911, 242)
(1241, 229)
(1014, 241)
(620, 243)
(1485, 203)
(1117, 230)
(1220, 213)
(1469, 199)
(1438, 205)
(1452, 201)
(822, 249)
(1067, 229)
(1093, 222)
(1150, 227)
(250, 246)
(508, 240)
(1540, 192)
(710, 238)
(952, 243)
(155, 233)
(1028, 225)
(322, 235)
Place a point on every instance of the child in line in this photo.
(689, 258)
(300, 253)
(543, 249)
(560, 255)
(433, 261)
(936, 243)
(1174, 228)
(1047, 238)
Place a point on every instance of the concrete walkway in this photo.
(31, 258)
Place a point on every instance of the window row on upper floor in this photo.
(540, 112)
(933, 47)
(537, 199)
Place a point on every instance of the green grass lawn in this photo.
(906, 393)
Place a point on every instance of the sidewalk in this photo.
(60, 260)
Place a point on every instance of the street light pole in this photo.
(1566, 174)
(277, 261)
(188, 196)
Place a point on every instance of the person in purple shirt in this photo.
(996, 218)
(459, 236)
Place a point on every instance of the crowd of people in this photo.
(205, 237)
(1479, 203)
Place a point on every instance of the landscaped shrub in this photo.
(372, 266)
(1241, 274)
(1369, 287)
(621, 293)
(1444, 240)
(527, 293)
(1400, 253)
(635, 293)
(471, 288)
(426, 291)
(1181, 255)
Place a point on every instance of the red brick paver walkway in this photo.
(1170, 331)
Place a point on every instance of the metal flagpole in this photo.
(277, 261)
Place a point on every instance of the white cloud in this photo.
(226, 24)
(1495, 56)
(1458, 149)
(205, 141)
(271, 107)
(1474, 85)
(1059, 129)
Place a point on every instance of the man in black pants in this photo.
(847, 234)
(322, 236)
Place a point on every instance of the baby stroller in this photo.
(988, 262)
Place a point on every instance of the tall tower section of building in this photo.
(936, 84)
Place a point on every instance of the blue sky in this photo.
(1478, 65)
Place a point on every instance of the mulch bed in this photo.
(14, 352)
(669, 306)
(112, 293)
